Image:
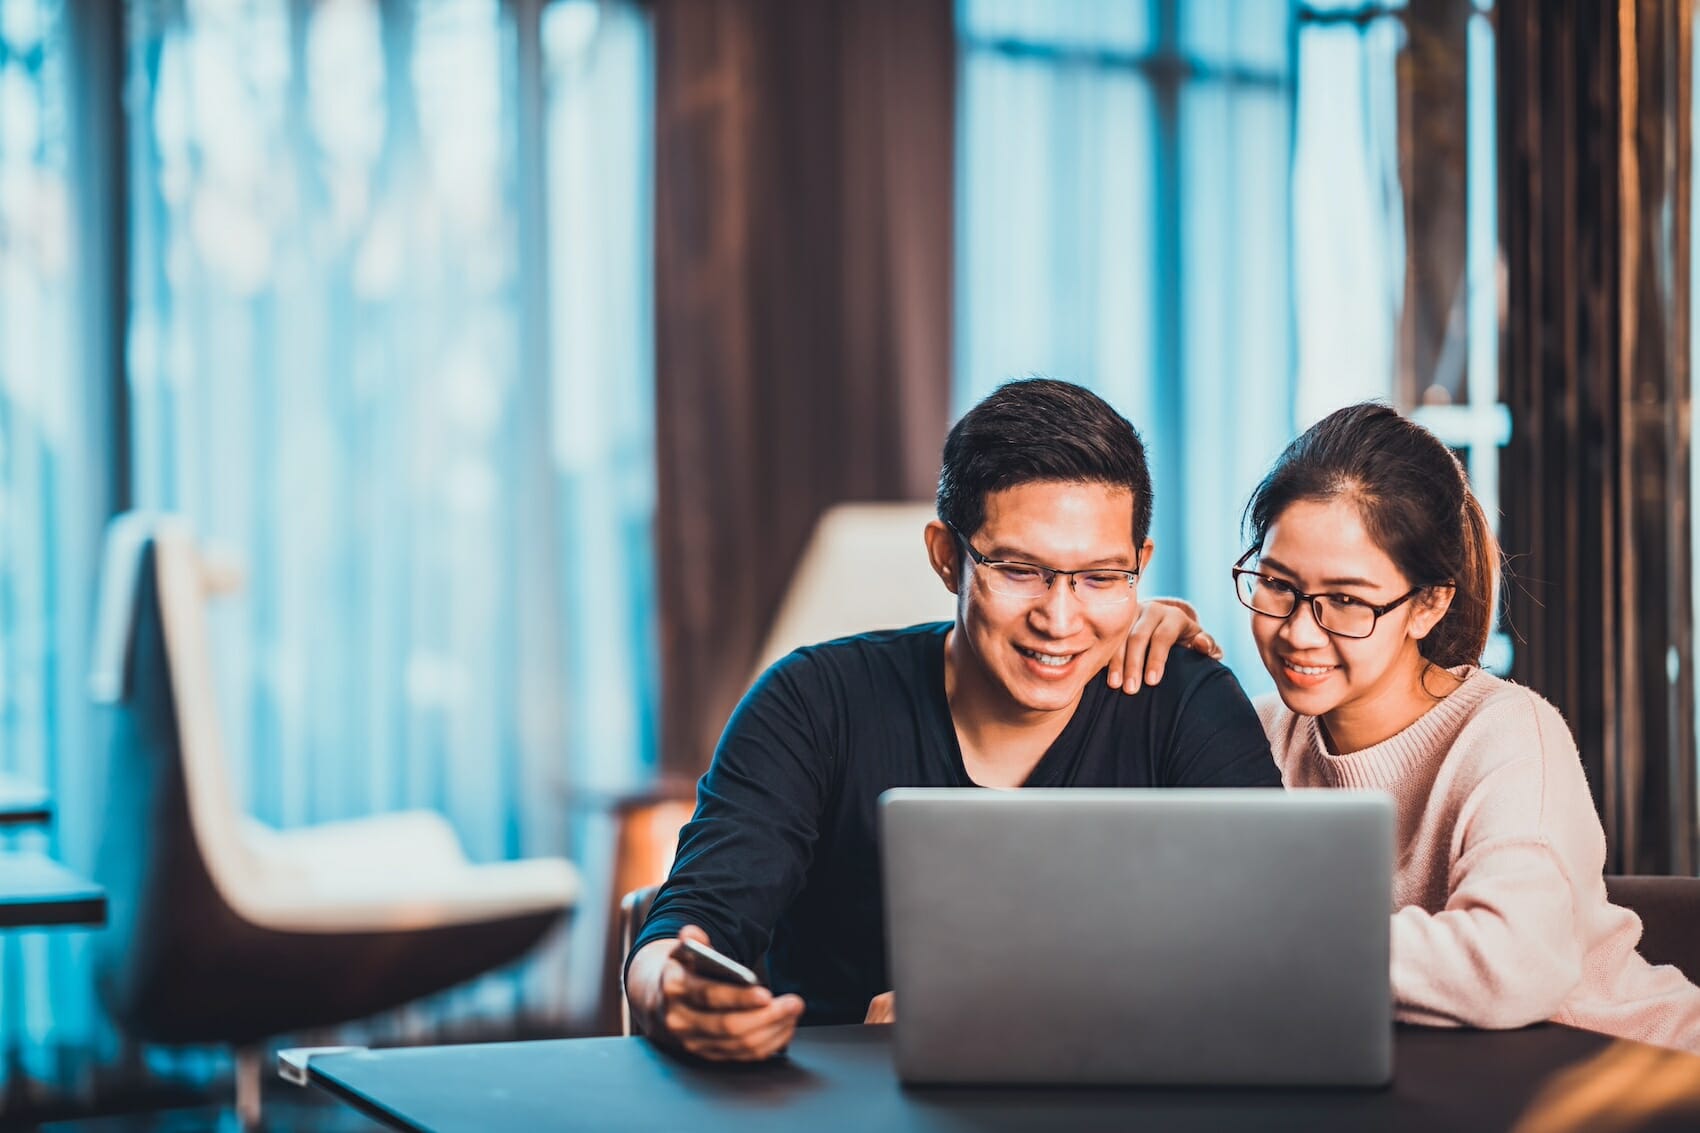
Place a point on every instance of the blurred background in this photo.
(515, 347)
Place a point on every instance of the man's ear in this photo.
(944, 554)
(1431, 605)
(1146, 554)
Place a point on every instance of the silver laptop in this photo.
(1171, 937)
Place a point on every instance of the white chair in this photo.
(226, 931)
(865, 568)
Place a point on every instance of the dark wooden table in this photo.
(840, 1078)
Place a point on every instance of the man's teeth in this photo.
(1310, 670)
(1048, 658)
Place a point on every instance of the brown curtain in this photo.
(804, 156)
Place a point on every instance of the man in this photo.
(1044, 512)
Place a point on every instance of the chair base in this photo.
(250, 1062)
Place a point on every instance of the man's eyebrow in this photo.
(1276, 564)
(1002, 552)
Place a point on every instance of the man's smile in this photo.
(1047, 658)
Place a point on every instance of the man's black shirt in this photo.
(781, 862)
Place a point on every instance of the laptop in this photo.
(1155, 937)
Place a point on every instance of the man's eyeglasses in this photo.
(1339, 614)
(1096, 586)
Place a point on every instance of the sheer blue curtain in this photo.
(602, 341)
(54, 488)
(392, 347)
(601, 440)
(38, 408)
(1123, 222)
(1347, 212)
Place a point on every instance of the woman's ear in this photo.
(1430, 606)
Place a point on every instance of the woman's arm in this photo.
(1523, 837)
(1503, 953)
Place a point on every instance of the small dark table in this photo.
(841, 1078)
(38, 892)
(35, 892)
(22, 803)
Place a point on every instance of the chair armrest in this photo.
(374, 900)
(411, 841)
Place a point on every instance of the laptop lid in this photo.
(1170, 936)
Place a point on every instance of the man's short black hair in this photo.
(1038, 429)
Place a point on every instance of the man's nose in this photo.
(1060, 610)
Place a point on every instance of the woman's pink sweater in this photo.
(1500, 912)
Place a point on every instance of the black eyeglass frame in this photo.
(1050, 573)
(1315, 601)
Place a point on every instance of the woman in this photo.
(1371, 578)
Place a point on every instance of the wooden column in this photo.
(1594, 216)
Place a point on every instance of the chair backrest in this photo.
(217, 935)
(1669, 908)
(864, 568)
(171, 855)
(634, 910)
(154, 573)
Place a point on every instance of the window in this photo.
(1364, 250)
(53, 485)
(601, 321)
(1199, 211)
(389, 341)
(39, 413)
(1123, 222)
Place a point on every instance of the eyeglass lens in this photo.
(1335, 613)
(1094, 587)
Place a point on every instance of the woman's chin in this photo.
(1306, 701)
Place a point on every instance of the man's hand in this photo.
(1162, 624)
(882, 1008)
(725, 1022)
